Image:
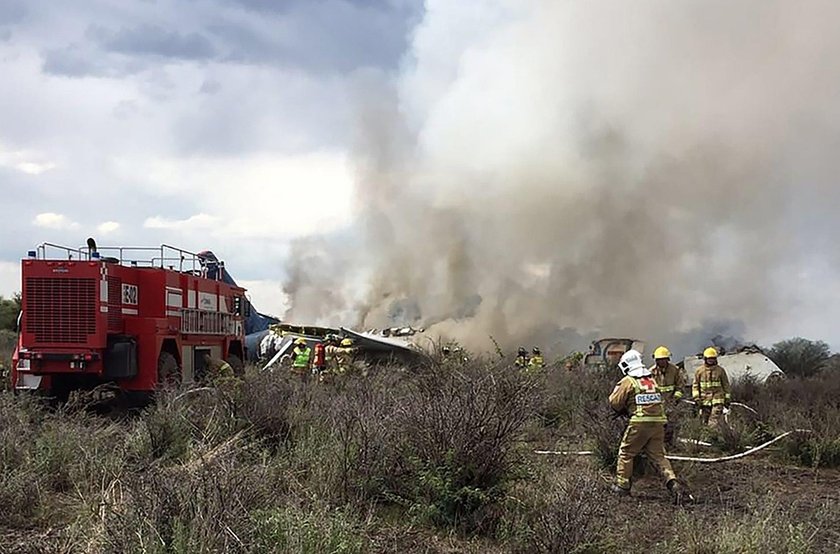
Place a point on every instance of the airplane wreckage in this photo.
(397, 344)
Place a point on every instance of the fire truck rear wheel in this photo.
(169, 374)
(237, 365)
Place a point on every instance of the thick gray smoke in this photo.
(543, 171)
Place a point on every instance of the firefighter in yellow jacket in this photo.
(537, 362)
(522, 359)
(217, 371)
(711, 390)
(636, 395)
(301, 359)
(670, 381)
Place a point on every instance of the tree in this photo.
(9, 310)
(800, 357)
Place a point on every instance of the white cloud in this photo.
(274, 196)
(107, 227)
(33, 168)
(31, 163)
(51, 220)
(192, 223)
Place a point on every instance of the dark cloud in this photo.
(153, 40)
(313, 37)
(321, 36)
(12, 11)
(71, 62)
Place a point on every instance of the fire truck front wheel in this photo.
(169, 374)
(237, 365)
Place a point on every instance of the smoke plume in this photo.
(541, 171)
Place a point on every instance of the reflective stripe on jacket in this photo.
(302, 356)
(711, 386)
(640, 399)
(670, 380)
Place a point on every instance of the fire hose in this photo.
(726, 411)
(692, 458)
(687, 458)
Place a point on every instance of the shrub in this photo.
(800, 357)
(812, 404)
(569, 399)
(769, 527)
(558, 512)
(439, 442)
(167, 428)
(292, 529)
(266, 401)
(203, 507)
(457, 430)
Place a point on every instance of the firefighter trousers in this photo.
(712, 415)
(642, 437)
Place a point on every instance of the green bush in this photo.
(292, 529)
(768, 528)
(800, 357)
(560, 511)
(456, 431)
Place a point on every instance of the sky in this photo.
(514, 168)
(219, 124)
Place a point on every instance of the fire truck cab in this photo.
(137, 318)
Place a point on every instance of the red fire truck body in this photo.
(131, 320)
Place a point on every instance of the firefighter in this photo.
(319, 362)
(636, 396)
(711, 390)
(670, 382)
(537, 361)
(301, 358)
(345, 356)
(331, 352)
(521, 358)
(217, 371)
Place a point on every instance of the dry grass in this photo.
(436, 459)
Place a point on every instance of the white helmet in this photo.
(631, 364)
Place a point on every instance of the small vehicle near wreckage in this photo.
(123, 320)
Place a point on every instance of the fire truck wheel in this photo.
(237, 365)
(169, 374)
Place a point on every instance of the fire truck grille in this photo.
(60, 310)
(114, 304)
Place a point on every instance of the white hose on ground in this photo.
(696, 442)
(193, 391)
(735, 456)
(743, 406)
(726, 411)
(688, 458)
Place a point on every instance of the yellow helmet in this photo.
(710, 353)
(347, 342)
(661, 352)
(300, 341)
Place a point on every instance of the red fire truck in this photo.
(137, 318)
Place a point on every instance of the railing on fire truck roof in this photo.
(163, 256)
